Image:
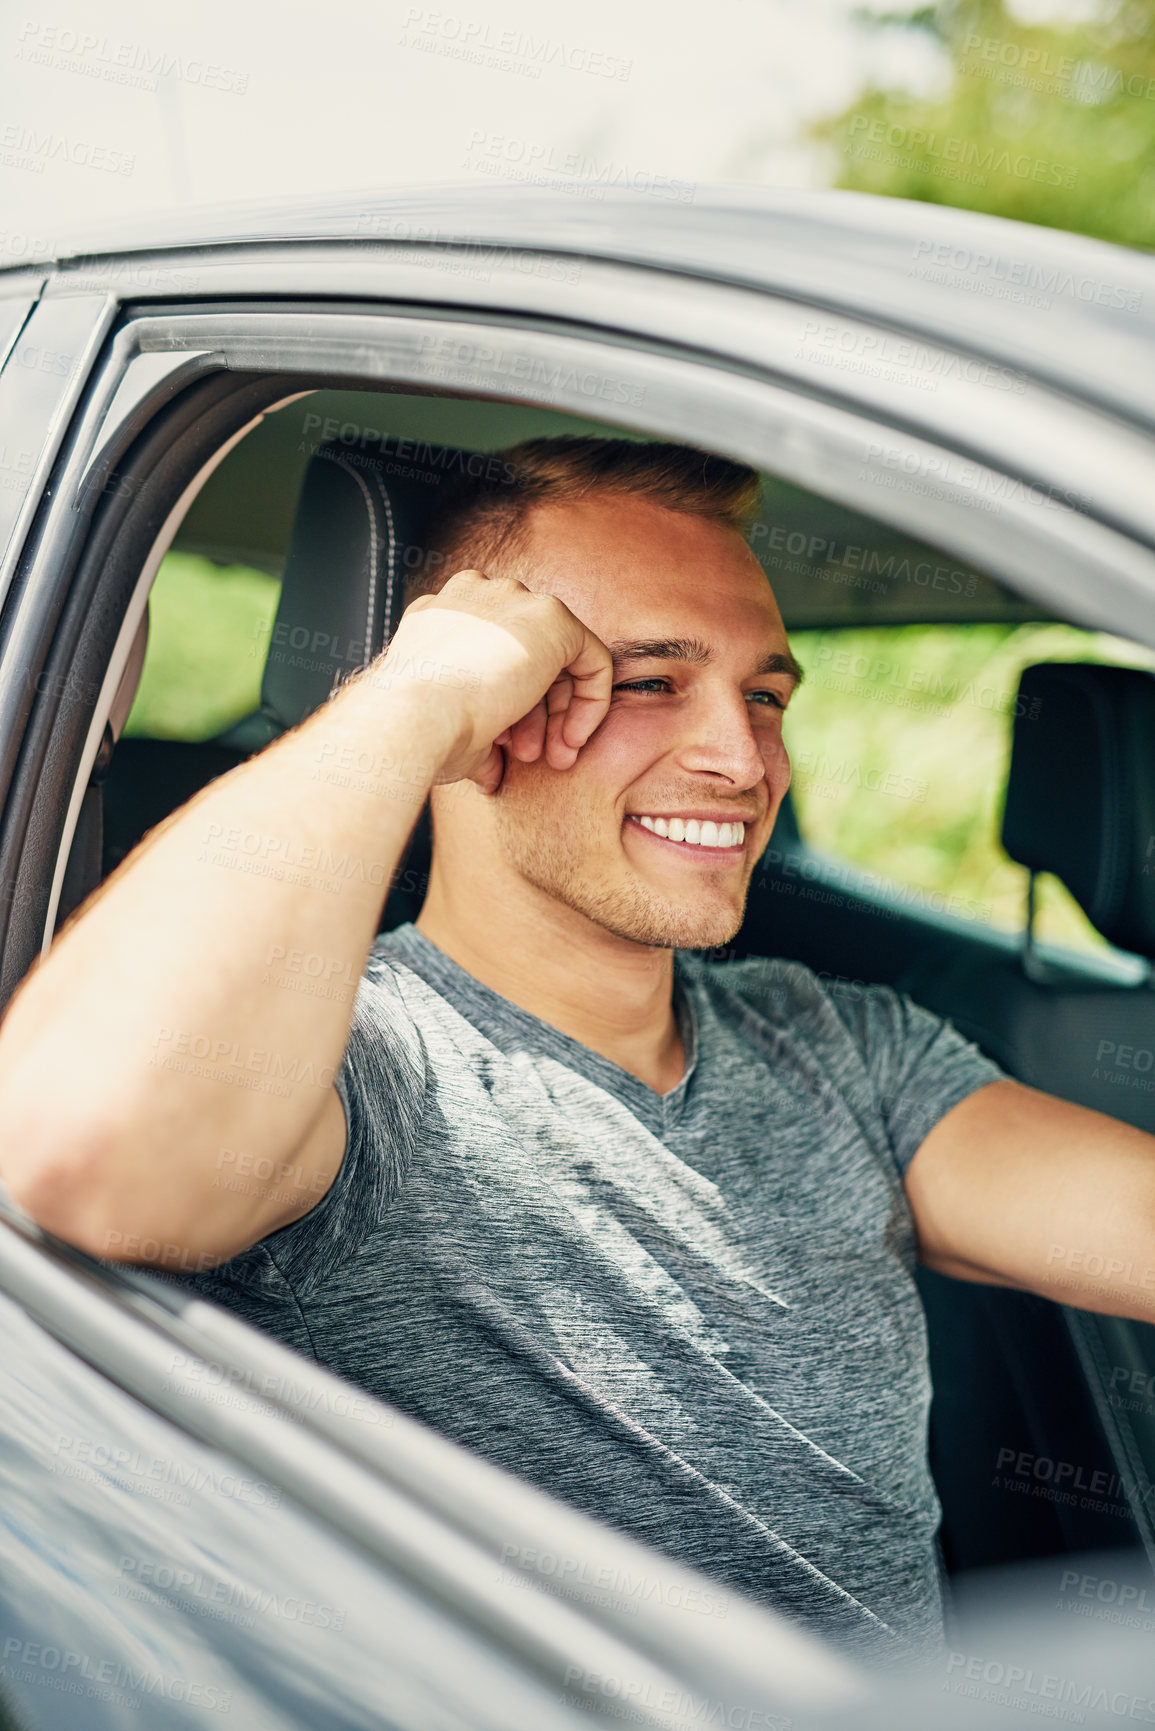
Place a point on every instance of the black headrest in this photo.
(356, 537)
(1081, 792)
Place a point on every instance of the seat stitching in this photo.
(332, 457)
(387, 621)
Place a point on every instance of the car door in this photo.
(200, 1525)
(1050, 493)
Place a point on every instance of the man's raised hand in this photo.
(517, 671)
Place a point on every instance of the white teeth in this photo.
(698, 834)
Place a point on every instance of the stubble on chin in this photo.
(553, 852)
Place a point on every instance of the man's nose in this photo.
(720, 740)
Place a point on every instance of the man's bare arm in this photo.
(163, 1058)
(166, 1075)
(1017, 1188)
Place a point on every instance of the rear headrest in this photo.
(1081, 792)
(356, 538)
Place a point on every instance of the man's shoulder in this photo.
(771, 984)
(786, 992)
(744, 972)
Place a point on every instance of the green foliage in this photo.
(1050, 123)
(209, 630)
(900, 740)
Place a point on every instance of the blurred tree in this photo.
(1050, 121)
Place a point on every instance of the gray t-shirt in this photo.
(692, 1315)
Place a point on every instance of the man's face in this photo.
(693, 734)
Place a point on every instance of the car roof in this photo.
(1065, 308)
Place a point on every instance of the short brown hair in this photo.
(478, 520)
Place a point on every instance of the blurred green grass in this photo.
(931, 707)
(208, 636)
(899, 736)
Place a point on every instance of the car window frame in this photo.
(837, 451)
(186, 345)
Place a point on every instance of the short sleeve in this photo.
(381, 1084)
(920, 1066)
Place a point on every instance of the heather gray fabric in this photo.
(691, 1315)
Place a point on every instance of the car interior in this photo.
(327, 497)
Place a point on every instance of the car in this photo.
(953, 420)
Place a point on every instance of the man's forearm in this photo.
(194, 1013)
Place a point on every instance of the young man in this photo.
(638, 1227)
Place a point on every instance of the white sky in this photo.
(369, 93)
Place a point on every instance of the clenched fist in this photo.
(515, 669)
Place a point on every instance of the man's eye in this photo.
(664, 685)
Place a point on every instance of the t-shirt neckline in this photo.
(488, 1009)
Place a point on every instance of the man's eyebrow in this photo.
(693, 649)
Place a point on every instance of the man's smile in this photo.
(711, 838)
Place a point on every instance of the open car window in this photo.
(900, 736)
(900, 743)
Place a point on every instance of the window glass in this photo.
(900, 741)
(209, 628)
